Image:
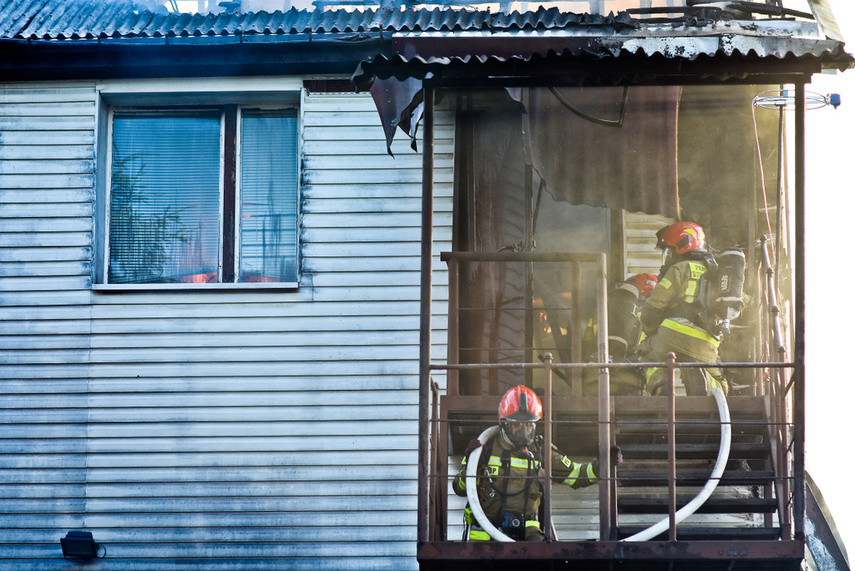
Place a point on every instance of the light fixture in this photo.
(78, 546)
(785, 99)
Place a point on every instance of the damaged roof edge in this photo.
(41, 35)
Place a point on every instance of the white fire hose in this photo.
(712, 482)
(472, 488)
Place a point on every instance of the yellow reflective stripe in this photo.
(690, 331)
(496, 462)
(477, 535)
(665, 283)
(461, 476)
(591, 476)
(691, 291)
(696, 270)
(533, 523)
(571, 479)
(493, 465)
(649, 373)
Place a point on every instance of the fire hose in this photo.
(472, 489)
(712, 482)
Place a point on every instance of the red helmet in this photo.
(682, 237)
(520, 404)
(644, 283)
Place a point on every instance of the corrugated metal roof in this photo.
(78, 19)
(442, 37)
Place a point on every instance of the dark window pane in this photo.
(165, 198)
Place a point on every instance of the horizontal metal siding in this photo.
(229, 430)
(47, 171)
(639, 243)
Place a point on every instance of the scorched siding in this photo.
(219, 429)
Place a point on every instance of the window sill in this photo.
(192, 287)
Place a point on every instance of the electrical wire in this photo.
(605, 122)
(762, 170)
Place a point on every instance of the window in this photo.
(203, 196)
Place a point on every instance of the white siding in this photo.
(228, 430)
(640, 255)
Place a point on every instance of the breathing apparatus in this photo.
(720, 288)
(624, 304)
(723, 291)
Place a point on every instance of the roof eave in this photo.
(611, 59)
(189, 56)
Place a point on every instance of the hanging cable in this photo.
(605, 122)
(762, 170)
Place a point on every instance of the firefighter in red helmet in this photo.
(510, 471)
(644, 283)
(672, 317)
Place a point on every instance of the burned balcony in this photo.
(737, 452)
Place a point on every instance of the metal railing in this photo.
(779, 392)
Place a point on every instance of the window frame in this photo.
(157, 97)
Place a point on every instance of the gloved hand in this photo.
(616, 456)
(473, 444)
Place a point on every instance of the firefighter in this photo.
(644, 283)
(624, 299)
(672, 317)
(510, 471)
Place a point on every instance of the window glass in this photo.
(203, 196)
(268, 196)
(164, 199)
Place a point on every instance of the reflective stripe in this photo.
(478, 535)
(690, 331)
(496, 462)
(591, 476)
(461, 477)
(665, 283)
(696, 270)
(533, 523)
(691, 291)
(571, 479)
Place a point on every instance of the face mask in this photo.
(520, 434)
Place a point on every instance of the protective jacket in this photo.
(673, 312)
(672, 321)
(510, 486)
